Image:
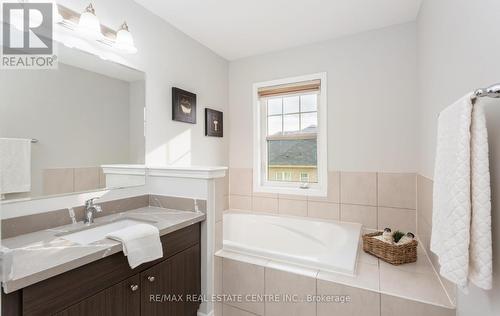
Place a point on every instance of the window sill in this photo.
(319, 192)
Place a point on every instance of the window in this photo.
(290, 147)
(283, 176)
(304, 177)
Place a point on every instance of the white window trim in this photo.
(259, 182)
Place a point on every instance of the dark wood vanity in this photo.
(108, 287)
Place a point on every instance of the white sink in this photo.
(92, 234)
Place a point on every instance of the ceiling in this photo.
(241, 28)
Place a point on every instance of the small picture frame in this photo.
(183, 106)
(214, 123)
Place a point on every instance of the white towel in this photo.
(461, 223)
(141, 243)
(15, 165)
(480, 249)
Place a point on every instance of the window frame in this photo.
(260, 182)
(306, 176)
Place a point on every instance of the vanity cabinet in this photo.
(167, 286)
(108, 287)
(120, 299)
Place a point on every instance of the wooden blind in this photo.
(297, 87)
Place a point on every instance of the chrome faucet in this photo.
(90, 210)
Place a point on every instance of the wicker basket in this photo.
(391, 253)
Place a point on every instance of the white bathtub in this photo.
(318, 244)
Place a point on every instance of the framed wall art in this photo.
(183, 106)
(213, 123)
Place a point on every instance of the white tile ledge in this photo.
(198, 172)
(327, 276)
(124, 169)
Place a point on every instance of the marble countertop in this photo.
(40, 255)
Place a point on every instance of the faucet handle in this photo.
(90, 202)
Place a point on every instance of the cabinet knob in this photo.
(151, 278)
(134, 287)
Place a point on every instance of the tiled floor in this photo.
(376, 282)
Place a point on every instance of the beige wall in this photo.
(372, 85)
(377, 200)
(458, 51)
(170, 58)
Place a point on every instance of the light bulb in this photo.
(89, 25)
(124, 40)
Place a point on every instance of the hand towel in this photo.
(15, 163)
(141, 243)
(480, 249)
(459, 218)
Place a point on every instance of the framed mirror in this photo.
(77, 128)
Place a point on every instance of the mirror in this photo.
(77, 128)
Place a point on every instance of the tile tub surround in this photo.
(424, 226)
(16, 226)
(66, 180)
(377, 289)
(40, 255)
(377, 200)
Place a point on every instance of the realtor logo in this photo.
(27, 36)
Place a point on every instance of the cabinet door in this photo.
(165, 286)
(121, 299)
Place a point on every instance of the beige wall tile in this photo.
(366, 215)
(86, 179)
(285, 283)
(299, 197)
(397, 219)
(30, 223)
(424, 236)
(218, 236)
(218, 275)
(263, 204)
(424, 197)
(358, 188)
(58, 181)
(226, 202)
(226, 183)
(16, 226)
(102, 179)
(239, 278)
(116, 206)
(240, 202)
(177, 203)
(397, 190)
(396, 306)
(228, 310)
(424, 232)
(323, 210)
(240, 181)
(220, 196)
(362, 302)
(333, 189)
(265, 194)
(218, 309)
(292, 207)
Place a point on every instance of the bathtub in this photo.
(312, 243)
